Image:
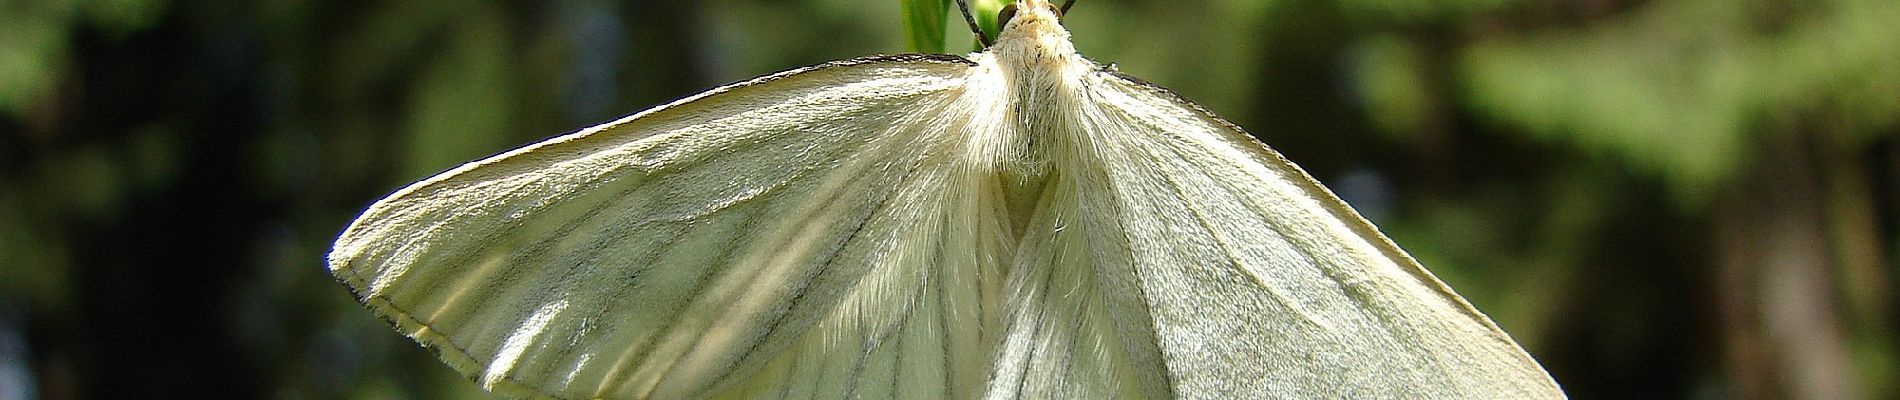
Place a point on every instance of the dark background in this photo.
(1659, 199)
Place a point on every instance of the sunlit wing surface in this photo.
(1259, 283)
(805, 229)
(1017, 225)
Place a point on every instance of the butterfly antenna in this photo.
(971, 19)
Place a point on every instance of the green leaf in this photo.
(924, 23)
(986, 12)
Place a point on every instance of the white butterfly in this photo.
(1018, 224)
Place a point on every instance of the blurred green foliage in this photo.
(924, 25)
(1660, 199)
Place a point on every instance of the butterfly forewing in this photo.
(684, 250)
(1262, 284)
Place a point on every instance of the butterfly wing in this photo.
(841, 232)
(791, 236)
(1220, 268)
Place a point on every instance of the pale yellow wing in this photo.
(789, 237)
(1217, 269)
(1175, 257)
